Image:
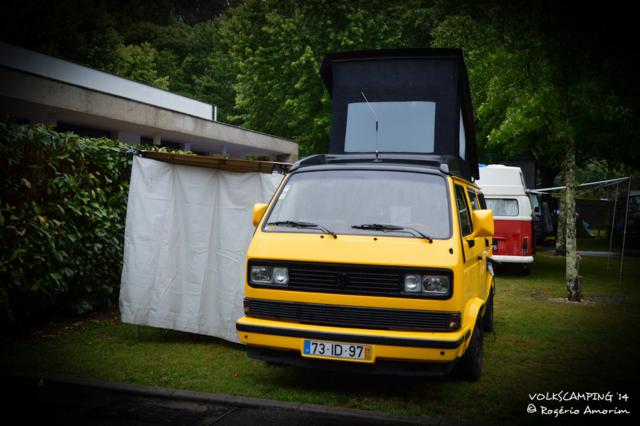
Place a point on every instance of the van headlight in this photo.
(412, 283)
(280, 276)
(277, 276)
(427, 285)
(435, 284)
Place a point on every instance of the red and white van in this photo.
(505, 194)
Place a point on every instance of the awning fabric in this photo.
(187, 232)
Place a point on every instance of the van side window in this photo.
(464, 215)
(504, 206)
(475, 205)
(483, 203)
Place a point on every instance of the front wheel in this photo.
(470, 365)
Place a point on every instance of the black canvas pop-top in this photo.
(413, 101)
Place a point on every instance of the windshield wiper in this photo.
(390, 228)
(297, 224)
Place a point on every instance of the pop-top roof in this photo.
(496, 179)
(429, 84)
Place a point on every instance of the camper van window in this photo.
(503, 206)
(466, 226)
(483, 202)
(462, 138)
(474, 200)
(339, 200)
(402, 127)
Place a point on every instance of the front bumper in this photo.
(387, 345)
(381, 367)
(512, 259)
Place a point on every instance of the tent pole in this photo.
(613, 222)
(624, 234)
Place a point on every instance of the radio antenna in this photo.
(375, 116)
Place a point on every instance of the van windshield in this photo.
(337, 200)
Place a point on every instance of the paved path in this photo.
(61, 400)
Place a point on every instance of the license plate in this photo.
(324, 349)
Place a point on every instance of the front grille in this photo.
(349, 279)
(351, 316)
(336, 279)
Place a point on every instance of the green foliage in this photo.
(538, 82)
(530, 63)
(204, 70)
(517, 106)
(139, 62)
(277, 48)
(78, 30)
(62, 216)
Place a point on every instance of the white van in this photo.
(505, 194)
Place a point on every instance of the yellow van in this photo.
(372, 260)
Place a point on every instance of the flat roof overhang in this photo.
(27, 95)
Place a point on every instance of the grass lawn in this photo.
(598, 244)
(541, 344)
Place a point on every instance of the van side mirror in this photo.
(258, 212)
(482, 223)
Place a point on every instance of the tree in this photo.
(138, 62)
(77, 30)
(540, 87)
(206, 71)
(277, 48)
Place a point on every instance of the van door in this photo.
(483, 245)
(471, 247)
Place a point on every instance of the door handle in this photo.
(484, 254)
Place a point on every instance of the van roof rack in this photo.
(447, 164)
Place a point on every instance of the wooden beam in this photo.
(219, 163)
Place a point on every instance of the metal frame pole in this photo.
(613, 222)
(624, 234)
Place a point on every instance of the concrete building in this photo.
(40, 88)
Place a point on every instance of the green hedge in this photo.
(62, 215)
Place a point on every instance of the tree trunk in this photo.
(561, 241)
(574, 287)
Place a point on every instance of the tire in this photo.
(470, 365)
(487, 318)
(526, 269)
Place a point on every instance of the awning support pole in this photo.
(624, 234)
(613, 222)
